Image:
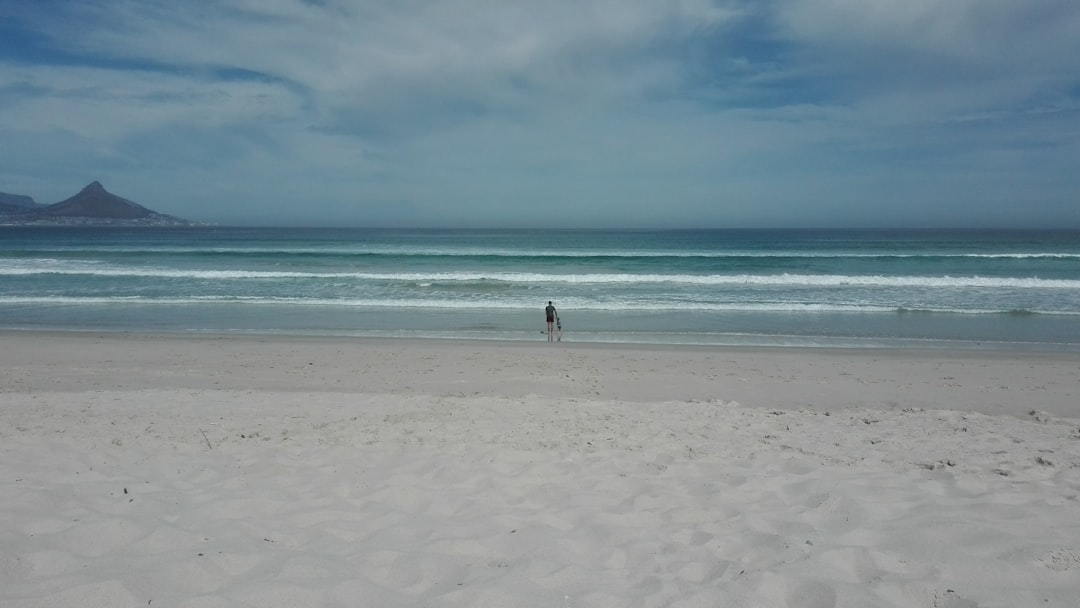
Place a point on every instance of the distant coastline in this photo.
(93, 206)
(15, 220)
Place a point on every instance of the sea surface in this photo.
(924, 289)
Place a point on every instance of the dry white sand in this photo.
(283, 472)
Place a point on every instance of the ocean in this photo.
(847, 288)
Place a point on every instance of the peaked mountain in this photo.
(93, 205)
(95, 201)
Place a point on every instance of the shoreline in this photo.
(1040, 339)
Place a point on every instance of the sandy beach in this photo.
(206, 471)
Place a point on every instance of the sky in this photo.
(553, 114)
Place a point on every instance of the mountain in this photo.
(17, 203)
(18, 200)
(93, 205)
(96, 202)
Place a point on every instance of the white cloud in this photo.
(1000, 51)
(111, 104)
(975, 31)
(461, 110)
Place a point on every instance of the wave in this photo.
(485, 252)
(428, 279)
(510, 305)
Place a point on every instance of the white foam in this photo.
(464, 251)
(504, 304)
(38, 267)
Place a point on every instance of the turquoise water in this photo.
(849, 288)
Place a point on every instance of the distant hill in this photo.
(94, 201)
(17, 203)
(93, 205)
(18, 200)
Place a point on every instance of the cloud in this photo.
(950, 55)
(354, 49)
(106, 103)
(590, 111)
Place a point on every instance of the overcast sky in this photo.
(554, 113)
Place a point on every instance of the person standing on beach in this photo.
(551, 315)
